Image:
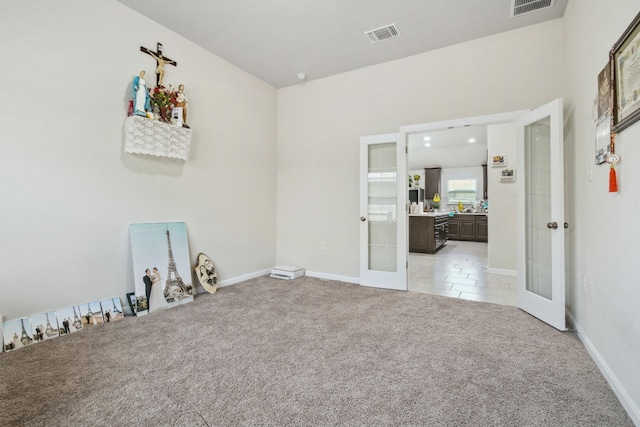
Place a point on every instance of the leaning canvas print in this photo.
(160, 255)
(112, 309)
(44, 326)
(17, 334)
(69, 320)
(91, 314)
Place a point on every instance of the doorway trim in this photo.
(486, 120)
(490, 119)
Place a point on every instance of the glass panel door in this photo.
(538, 206)
(540, 184)
(382, 207)
(383, 216)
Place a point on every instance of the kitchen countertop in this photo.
(430, 214)
(472, 213)
(447, 213)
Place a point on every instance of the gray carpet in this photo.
(311, 352)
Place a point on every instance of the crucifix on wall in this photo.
(160, 61)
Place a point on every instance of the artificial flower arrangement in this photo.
(163, 98)
(416, 179)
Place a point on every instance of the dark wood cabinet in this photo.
(470, 227)
(482, 228)
(467, 228)
(454, 228)
(431, 182)
(427, 233)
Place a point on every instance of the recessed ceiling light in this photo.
(472, 140)
(427, 138)
(427, 145)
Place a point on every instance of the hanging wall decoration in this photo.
(625, 59)
(499, 161)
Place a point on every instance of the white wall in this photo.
(503, 249)
(320, 122)
(69, 192)
(604, 226)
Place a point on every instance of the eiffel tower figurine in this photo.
(25, 338)
(77, 323)
(49, 329)
(176, 280)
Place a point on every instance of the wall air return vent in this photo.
(383, 33)
(522, 7)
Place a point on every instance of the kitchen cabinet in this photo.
(467, 227)
(482, 228)
(427, 233)
(470, 227)
(431, 182)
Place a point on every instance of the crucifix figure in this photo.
(160, 60)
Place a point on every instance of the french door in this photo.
(540, 185)
(383, 211)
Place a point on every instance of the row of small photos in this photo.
(27, 331)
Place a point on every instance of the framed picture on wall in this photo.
(603, 138)
(508, 175)
(625, 59)
(604, 100)
(499, 161)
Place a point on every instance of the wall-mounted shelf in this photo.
(146, 136)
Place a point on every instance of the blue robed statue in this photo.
(141, 98)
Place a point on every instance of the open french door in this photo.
(540, 185)
(383, 215)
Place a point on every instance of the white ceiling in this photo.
(276, 39)
(449, 148)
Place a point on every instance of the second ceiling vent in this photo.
(522, 7)
(383, 33)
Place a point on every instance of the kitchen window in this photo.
(461, 190)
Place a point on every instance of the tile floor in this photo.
(459, 270)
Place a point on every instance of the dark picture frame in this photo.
(131, 299)
(625, 56)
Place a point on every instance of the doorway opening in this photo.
(470, 265)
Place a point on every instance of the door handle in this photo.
(363, 219)
(552, 225)
(566, 225)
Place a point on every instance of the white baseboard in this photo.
(502, 271)
(319, 275)
(629, 405)
(244, 277)
(267, 271)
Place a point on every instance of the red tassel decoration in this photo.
(613, 180)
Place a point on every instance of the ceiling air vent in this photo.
(382, 33)
(522, 7)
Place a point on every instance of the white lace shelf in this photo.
(146, 136)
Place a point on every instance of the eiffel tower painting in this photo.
(174, 281)
(162, 245)
(25, 339)
(50, 331)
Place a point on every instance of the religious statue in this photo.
(181, 102)
(140, 95)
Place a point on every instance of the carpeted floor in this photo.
(311, 353)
